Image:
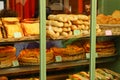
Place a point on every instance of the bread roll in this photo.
(70, 33)
(83, 17)
(74, 27)
(54, 23)
(67, 24)
(57, 29)
(77, 22)
(66, 29)
(65, 34)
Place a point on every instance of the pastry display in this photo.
(30, 27)
(114, 18)
(100, 74)
(31, 56)
(70, 53)
(12, 27)
(63, 26)
(103, 48)
(7, 56)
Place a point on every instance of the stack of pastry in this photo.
(68, 25)
(70, 53)
(103, 48)
(7, 56)
(12, 27)
(31, 56)
(30, 27)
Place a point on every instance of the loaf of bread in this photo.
(70, 53)
(103, 48)
(54, 23)
(7, 51)
(31, 56)
(7, 56)
(13, 29)
(30, 29)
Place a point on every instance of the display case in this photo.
(61, 67)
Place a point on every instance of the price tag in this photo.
(58, 58)
(15, 63)
(17, 35)
(88, 55)
(108, 32)
(76, 32)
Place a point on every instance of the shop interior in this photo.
(65, 43)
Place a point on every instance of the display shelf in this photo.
(22, 39)
(22, 70)
(106, 30)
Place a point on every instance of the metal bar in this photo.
(42, 13)
(93, 39)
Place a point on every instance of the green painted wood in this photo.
(93, 39)
(42, 14)
(108, 6)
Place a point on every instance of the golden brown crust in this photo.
(103, 48)
(12, 29)
(30, 28)
(10, 19)
(1, 33)
(69, 50)
(7, 51)
(54, 23)
(7, 62)
(116, 14)
(72, 58)
(32, 56)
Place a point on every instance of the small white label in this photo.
(15, 63)
(88, 55)
(58, 58)
(76, 32)
(17, 35)
(108, 32)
